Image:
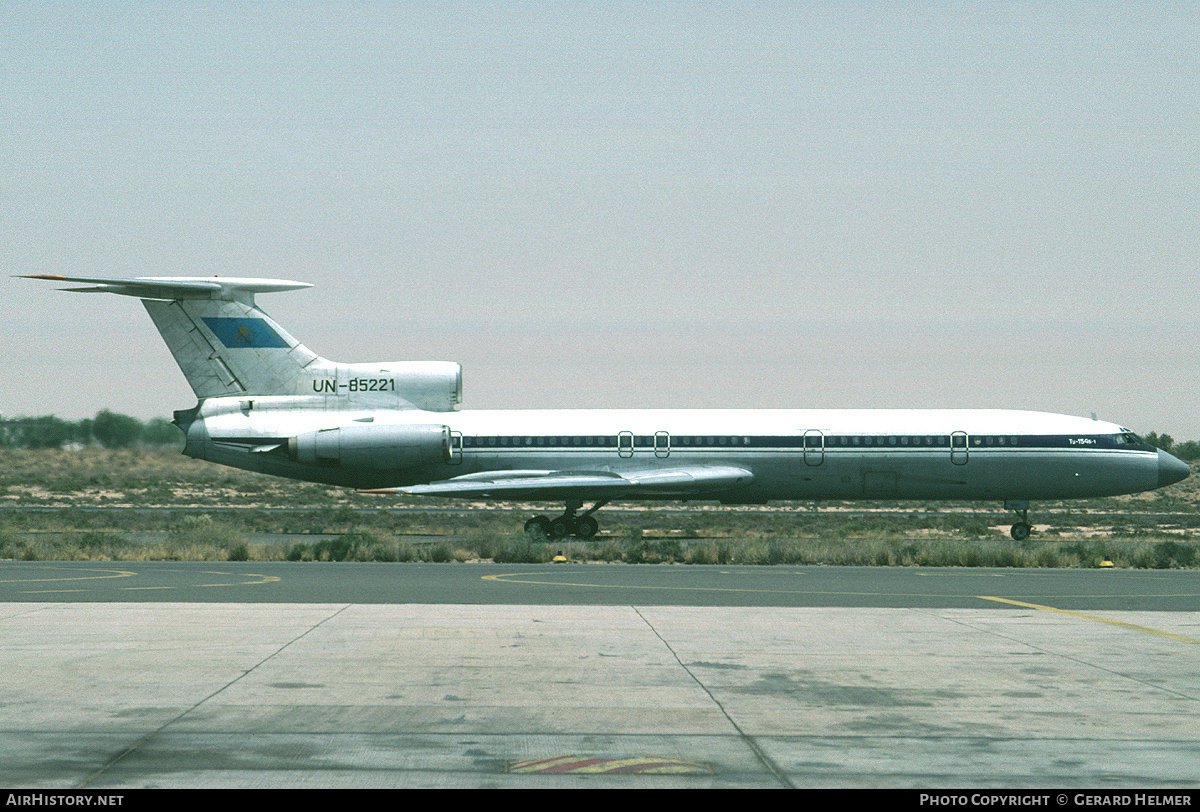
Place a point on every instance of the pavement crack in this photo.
(765, 760)
(120, 756)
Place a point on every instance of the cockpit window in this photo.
(1127, 437)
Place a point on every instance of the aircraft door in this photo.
(814, 447)
(454, 448)
(625, 444)
(958, 448)
(662, 444)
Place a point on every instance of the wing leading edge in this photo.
(682, 482)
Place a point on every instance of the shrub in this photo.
(1170, 554)
(116, 430)
(190, 536)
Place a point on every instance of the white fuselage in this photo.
(792, 454)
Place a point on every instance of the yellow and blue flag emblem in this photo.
(243, 333)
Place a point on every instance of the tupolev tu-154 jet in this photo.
(267, 403)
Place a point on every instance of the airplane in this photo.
(267, 403)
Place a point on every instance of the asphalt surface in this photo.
(596, 584)
(120, 676)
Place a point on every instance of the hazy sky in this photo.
(621, 204)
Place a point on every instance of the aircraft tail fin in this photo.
(224, 343)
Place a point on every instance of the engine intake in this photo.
(375, 447)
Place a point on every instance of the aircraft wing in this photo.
(680, 481)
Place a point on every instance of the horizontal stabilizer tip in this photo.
(176, 287)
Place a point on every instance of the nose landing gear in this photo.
(1021, 530)
(583, 526)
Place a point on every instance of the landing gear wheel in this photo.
(561, 527)
(538, 527)
(569, 523)
(586, 527)
(1020, 531)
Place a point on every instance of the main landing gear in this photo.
(583, 526)
(1021, 530)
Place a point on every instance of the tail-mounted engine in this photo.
(386, 447)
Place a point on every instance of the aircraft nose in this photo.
(1171, 469)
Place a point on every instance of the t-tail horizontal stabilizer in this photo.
(226, 345)
(169, 288)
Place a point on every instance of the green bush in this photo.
(116, 430)
(1172, 554)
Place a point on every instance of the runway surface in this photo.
(121, 675)
(596, 584)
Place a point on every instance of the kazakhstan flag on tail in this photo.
(244, 333)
